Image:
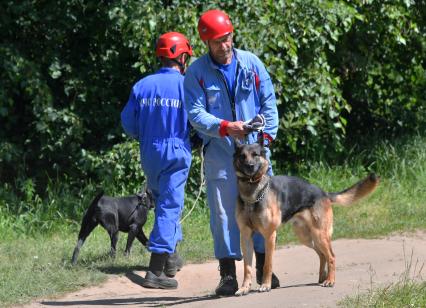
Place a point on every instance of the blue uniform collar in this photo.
(215, 66)
(168, 70)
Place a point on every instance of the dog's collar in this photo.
(141, 196)
(252, 179)
(261, 196)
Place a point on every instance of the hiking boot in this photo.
(159, 282)
(155, 277)
(228, 284)
(260, 261)
(174, 263)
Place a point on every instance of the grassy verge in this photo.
(37, 265)
(408, 291)
(401, 294)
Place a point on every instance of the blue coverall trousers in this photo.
(166, 164)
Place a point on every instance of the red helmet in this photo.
(214, 24)
(172, 44)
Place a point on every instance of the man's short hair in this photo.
(167, 62)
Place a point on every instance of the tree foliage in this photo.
(340, 68)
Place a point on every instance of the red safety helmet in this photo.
(172, 44)
(214, 24)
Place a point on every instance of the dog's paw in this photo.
(264, 288)
(243, 291)
(327, 283)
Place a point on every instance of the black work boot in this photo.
(228, 284)
(260, 261)
(155, 277)
(174, 263)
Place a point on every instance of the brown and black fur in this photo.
(264, 202)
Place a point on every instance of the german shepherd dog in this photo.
(126, 214)
(265, 202)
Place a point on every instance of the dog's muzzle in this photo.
(249, 168)
(145, 199)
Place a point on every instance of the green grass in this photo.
(37, 264)
(401, 294)
(397, 205)
(33, 267)
(408, 291)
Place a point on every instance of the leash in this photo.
(202, 181)
(141, 195)
(257, 124)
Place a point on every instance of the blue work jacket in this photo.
(208, 102)
(155, 109)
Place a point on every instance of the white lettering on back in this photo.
(161, 102)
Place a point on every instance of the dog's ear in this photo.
(149, 198)
(238, 143)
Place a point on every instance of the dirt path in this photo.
(360, 264)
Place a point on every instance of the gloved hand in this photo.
(256, 124)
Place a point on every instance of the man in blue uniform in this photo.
(155, 116)
(223, 89)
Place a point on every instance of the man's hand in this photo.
(257, 124)
(236, 129)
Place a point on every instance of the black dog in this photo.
(126, 214)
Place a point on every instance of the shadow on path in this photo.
(150, 301)
(146, 301)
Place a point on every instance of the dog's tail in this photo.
(87, 225)
(355, 192)
(89, 216)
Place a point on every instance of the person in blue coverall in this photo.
(155, 115)
(223, 89)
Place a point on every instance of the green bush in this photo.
(381, 63)
(340, 68)
(118, 168)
